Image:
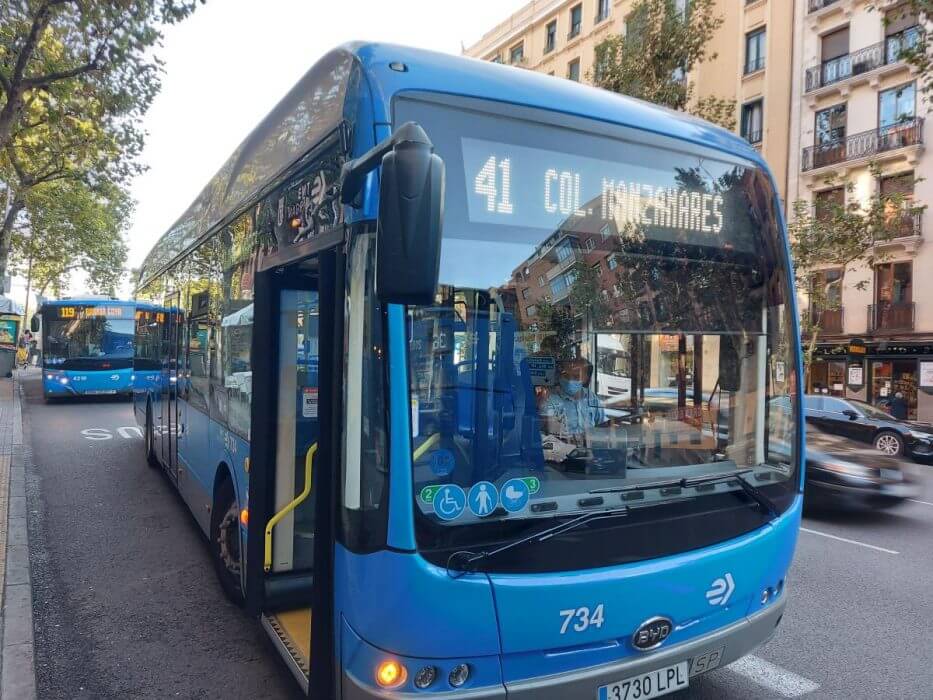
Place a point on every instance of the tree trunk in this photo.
(26, 303)
(6, 237)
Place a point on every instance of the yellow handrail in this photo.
(425, 446)
(274, 520)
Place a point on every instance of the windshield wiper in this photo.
(467, 560)
(737, 475)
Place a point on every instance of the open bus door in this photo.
(167, 415)
(289, 572)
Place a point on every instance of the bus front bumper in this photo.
(735, 641)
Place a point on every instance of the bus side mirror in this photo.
(34, 324)
(411, 212)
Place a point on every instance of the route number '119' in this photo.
(494, 181)
(581, 619)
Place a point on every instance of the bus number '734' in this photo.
(582, 618)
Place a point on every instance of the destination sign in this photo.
(95, 311)
(537, 188)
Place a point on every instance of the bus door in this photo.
(170, 379)
(291, 482)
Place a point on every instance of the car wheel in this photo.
(226, 552)
(890, 444)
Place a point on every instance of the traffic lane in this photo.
(126, 604)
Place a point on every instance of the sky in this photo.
(233, 60)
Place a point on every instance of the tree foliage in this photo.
(654, 58)
(75, 78)
(70, 226)
(848, 236)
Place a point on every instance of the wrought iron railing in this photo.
(908, 132)
(815, 5)
(830, 321)
(753, 137)
(575, 30)
(891, 316)
(864, 60)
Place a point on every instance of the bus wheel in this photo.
(225, 541)
(151, 457)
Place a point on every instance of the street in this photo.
(126, 603)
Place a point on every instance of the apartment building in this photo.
(752, 64)
(855, 103)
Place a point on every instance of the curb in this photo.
(17, 664)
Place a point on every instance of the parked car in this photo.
(863, 422)
(843, 472)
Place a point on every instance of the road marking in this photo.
(843, 539)
(914, 500)
(772, 677)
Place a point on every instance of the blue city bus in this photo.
(377, 328)
(87, 347)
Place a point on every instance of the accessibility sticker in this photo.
(483, 498)
(449, 502)
(515, 494)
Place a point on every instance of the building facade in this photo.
(752, 63)
(856, 103)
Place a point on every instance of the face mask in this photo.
(571, 386)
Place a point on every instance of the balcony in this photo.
(891, 316)
(753, 65)
(865, 60)
(830, 321)
(575, 30)
(817, 5)
(864, 145)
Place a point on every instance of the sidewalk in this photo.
(17, 672)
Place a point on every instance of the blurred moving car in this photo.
(842, 472)
(863, 422)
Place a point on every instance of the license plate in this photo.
(644, 686)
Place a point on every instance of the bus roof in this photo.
(88, 301)
(328, 94)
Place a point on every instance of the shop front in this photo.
(895, 377)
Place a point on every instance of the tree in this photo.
(70, 226)
(846, 235)
(654, 58)
(75, 77)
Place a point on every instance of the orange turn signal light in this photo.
(244, 517)
(390, 674)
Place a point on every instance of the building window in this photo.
(531, 310)
(558, 284)
(901, 32)
(496, 59)
(602, 10)
(524, 292)
(754, 51)
(612, 263)
(896, 106)
(576, 21)
(681, 6)
(752, 120)
(831, 125)
(541, 280)
(828, 202)
(597, 268)
(605, 231)
(894, 283)
(550, 36)
(590, 244)
(564, 251)
(517, 54)
(573, 70)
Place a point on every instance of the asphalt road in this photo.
(127, 605)
(125, 600)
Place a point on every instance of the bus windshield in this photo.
(88, 337)
(614, 321)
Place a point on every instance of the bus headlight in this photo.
(390, 674)
(425, 677)
(459, 675)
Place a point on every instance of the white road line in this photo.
(843, 539)
(772, 677)
(914, 500)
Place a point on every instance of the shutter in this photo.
(835, 44)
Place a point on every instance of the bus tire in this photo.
(151, 458)
(226, 551)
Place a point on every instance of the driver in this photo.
(570, 409)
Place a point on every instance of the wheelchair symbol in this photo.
(449, 502)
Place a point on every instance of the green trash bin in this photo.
(9, 333)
